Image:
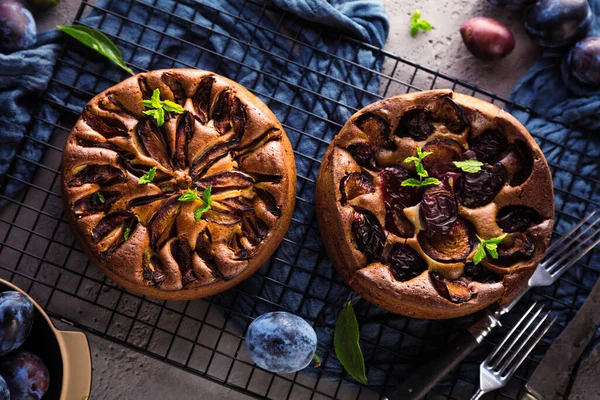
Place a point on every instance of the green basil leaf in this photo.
(147, 177)
(479, 254)
(127, 234)
(189, 195)
(347, 348)
(97, 41)
(100, 197)
(470, 166)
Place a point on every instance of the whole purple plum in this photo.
(26, 375)
(557, 23)
(17, 27)
(16, 318)
(583, 61)
(513, 5)
(487, 38)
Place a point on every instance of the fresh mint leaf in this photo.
(317, 360)
(189, 195)
(489, 245)
(416, 23)
(126, 234)
(420, 169)
(173, 107)
(147, 177)
(411, 182)
(100, 197)
(470, 166)
(430, 181)
(204, 207)
(97, 41)
(157, 107)
(347, 348)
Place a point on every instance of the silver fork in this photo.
(560, 256)
(509, 354)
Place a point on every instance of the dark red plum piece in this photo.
(521, 249)
(583, 61)
(107, 127)
(405, 263)
(393, 191)
(162, 224)
(201, 98)
(153, 142)
(182, 253)
(517, 218)
(454, 246)
(456, 291)
(269, 201)
(487, 39)
(152, 268)
(489, 146)
(111, 222)
(222, 218)
(183, 135)
(223, 181)
(92, 203)
(237, 205)
(478, 189)
(253, 228)
(397, 222)
(238, 249)
(229, 113)
(444, 153)
(140, 170)
(416, 124)
(145, 200)
(100, 174)
(203, 249)
(211, 156)
(364, 155)
(16, 319)
(353, 185)
(369, 235)
(376, 128)
(26, 375)
(518, 163)
(479, 273)
(447, 112)
(145, 87)
(176, 88)
(439, 210)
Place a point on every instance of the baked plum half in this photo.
(443, 154)
(480, 188)
(405, 263)
(453, 246)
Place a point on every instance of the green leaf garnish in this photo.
(470, 166)
(347, 348)
(189, 195)
(489, 245)
(317, 360)
(127, 234)
(147, 177)
(418, 161)
(204, 207)
(100, 197)
(417, 23)
(157, 107)
(97, 41)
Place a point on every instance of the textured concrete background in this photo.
(122, 373)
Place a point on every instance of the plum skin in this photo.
(17, 27)
(26, 375)
(281, 342)
(557, 23)
(487, 38)
(513, 5)
(16, 318)
(4, 391)
(583, 61)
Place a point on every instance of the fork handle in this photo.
(424, 379)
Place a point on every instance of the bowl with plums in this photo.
(38, 361)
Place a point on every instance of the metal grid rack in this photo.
(38, 252)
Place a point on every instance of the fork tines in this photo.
(519, 342)
(559, 256)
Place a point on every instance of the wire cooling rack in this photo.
(38, 252)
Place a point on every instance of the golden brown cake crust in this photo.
(140, 235)
(351, 186)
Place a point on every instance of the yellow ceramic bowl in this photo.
(65, 353)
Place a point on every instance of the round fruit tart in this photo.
(435, 204)
(178, 183)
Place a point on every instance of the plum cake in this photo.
(178, 183)
(435, 204)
